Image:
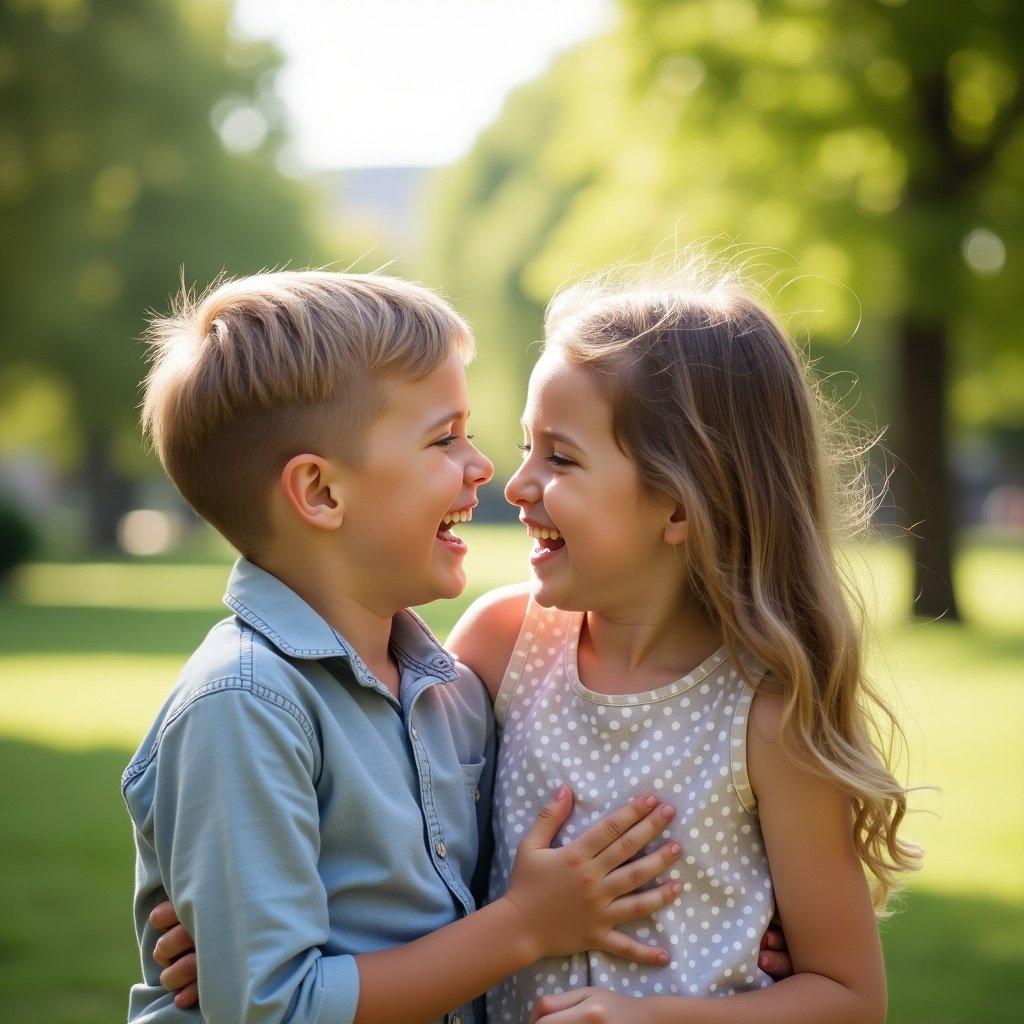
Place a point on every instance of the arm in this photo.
(823, 901)
(236, 833)
(485, 635)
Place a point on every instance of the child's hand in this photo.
(773, 956)
(590, 1006)
(572, 896)
(182, 973)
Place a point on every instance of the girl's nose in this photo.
(521, 489)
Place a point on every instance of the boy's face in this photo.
(576, 479)
(418, 467)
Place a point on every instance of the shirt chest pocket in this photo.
(471, 773)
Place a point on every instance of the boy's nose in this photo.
(479, 468)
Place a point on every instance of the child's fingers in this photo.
(172, 944)
(581, 1013)
(633, 840)
(187, 997)
(553, 1003)
(643, 904)
(636, 873)
(629, 949)
(549, 820)
(773, 938)
(163, 916)
(614, 825)
(181, 973)
(778, 965)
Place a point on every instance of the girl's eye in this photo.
(447, 442)
(555, 460)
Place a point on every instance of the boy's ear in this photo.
(676, 527)
(313, 490)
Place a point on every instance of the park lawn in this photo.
(90, 649)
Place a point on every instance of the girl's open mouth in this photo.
(548, 543)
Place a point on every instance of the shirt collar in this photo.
(273, 609)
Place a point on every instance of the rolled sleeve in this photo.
(236, 834)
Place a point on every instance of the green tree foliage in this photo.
(878, 147)
(137, 140)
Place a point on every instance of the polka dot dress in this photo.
(687, 743)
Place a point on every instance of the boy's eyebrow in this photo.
(555, 435)
(448, 417)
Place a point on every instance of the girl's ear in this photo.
(676, 528)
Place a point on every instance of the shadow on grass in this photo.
(68, 956)
(953, 958)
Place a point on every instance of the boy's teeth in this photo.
(542, 534)
(457, 517)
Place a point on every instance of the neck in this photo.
(668, 635)
(321, 583)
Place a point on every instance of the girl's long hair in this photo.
(721, 413)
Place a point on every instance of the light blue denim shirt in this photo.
(297, 814)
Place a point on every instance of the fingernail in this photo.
(675, 848)
(677, 888)
(560, 792)
(650, 801)
(668, 810)
(663, 958)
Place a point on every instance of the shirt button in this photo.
(456, 1018)
(476, 795)
(442, 850)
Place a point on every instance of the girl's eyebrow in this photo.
(555, 435)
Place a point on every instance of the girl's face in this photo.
(604, 538)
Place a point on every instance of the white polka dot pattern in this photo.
(686, 742)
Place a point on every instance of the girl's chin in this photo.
(547, 595)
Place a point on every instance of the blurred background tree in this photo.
(879, 152)
(139, 142)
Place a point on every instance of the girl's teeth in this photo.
(457, 517)
(543, 534)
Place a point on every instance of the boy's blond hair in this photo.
(257, 370)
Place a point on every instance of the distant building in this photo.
(386, 201)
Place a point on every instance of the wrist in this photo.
(672, 1009)
(524, 942)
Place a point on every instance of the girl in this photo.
(686, 629)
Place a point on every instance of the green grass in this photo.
(89, 650)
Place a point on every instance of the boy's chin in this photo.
(447, 585)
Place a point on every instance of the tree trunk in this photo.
(108, 491)
(924, 486)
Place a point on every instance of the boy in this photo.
(313, 793)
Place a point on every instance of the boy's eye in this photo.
(447, 442)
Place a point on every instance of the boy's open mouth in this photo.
(444, 531)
